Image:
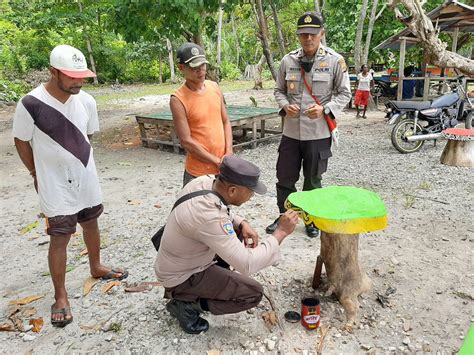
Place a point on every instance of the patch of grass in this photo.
(116, 327)
(68, 269)
(104, 241)
(104, 95)
(425, 185)
(409, 201)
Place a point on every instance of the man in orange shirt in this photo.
(199, 115)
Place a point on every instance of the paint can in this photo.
(310, 313)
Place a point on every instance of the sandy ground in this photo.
(422, 260)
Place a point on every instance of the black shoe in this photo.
(312, 232)
(187, 314)
(272, 227)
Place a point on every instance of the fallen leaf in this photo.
(26, 300)
(13, 309)
(34, 236)
(88, 284)
(157, 205)
(134, 202)
(143, 286)
(108, 286)
(83, 252)
(270, 318)
(29, 227)
(28, 312)
(89, 326)
(6, 327)
(37, 324)
(18, 323)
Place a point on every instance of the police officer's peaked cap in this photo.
(238, 171)
(191, 54)
(310, 22)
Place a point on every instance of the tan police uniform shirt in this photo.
(329, 81)
(200, 228)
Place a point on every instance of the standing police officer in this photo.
(312, 70)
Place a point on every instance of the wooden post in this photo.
(401, 67)
(454, 48)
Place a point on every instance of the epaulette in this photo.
(331, 51)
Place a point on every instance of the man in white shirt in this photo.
(52, 128)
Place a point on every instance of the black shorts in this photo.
(66, 225)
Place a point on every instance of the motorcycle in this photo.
(419, 121)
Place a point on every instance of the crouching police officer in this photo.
(312, 82)
(203, 226)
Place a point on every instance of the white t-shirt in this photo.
(364, 82)
(64, 162)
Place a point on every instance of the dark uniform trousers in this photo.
(225, 291)
(314, 155)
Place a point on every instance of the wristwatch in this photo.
(327, 110)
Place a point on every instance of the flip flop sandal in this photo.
(63, 322)
(111, 273)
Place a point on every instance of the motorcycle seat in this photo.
(411, 105)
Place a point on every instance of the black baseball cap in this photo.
(191, 54)
(241, 172)
(310, 22)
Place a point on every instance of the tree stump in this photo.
(459, 151)
(345, 277)
(341, 213)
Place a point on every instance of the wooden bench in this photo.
(241, 117)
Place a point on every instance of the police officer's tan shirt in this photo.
(200, 228)
(329, 81)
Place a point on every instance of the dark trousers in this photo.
(225, 291)
(292, 153)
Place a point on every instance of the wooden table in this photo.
(241, 117)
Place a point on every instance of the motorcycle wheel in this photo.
(469, 119)
(402, 130)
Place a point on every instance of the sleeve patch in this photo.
(343, 65)
(227, 227)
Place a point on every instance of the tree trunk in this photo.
(316, 6)
(170, 60)
(237, 42)
(263, 35)
(89, 47)
(197, 38)
(219, 40)
(279, 31)
(358, 39)
(160, 63)
(258, 73)
(345, 277)
(422, 27)
(368, 39)
(458, 153)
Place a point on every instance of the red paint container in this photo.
(310, 313)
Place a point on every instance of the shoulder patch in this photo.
(227, 227)
(342, 64)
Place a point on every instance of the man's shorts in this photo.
(66, 225)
